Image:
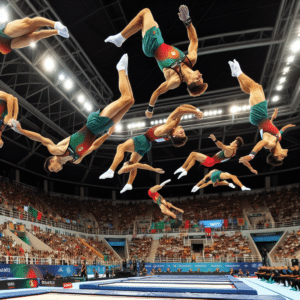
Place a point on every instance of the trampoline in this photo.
(154, 287)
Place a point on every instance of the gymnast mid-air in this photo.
(175, 65)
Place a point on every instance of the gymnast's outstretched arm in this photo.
(52, 148)
(175, 118)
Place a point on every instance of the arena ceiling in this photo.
(256, 33)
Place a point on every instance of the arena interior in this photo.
(125, 177)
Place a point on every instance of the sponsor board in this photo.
(67, 285)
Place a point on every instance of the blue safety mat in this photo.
(127, 284)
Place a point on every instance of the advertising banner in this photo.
(204, 267)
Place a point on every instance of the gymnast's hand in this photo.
(183, 13)
(199, 114)
(245, 158)
(149, 114)
(160, 171)
(212, 137)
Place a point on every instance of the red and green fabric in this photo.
(35, 213)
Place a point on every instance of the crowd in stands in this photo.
(284, 205)
(172, 247)
(139, 247)
(290, 246)
(127, 214)
(103, 212)
(226, 247)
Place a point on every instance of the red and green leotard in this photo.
(3, 113)
(79, 143)
(156, 197)
(151, 137)
(267, 126)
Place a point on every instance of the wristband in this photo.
(150, 108)
(215, 141)
(253, 153)
(188, 21)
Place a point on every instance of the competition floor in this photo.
(160, 287)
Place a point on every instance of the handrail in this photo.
(45, 221)
(252, 258)
(35, 260)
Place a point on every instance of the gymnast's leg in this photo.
(143, 21)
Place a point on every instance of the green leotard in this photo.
(165, 55)
(215, 176)
(83, 139)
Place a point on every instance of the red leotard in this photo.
(150, 136)
(267, 126)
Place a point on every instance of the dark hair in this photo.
(272, 160)
(196, 90)
(239, 141)
(47, 163)
(179, 141)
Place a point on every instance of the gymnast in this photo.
(218, 178)
(175, 65)
(9, 109)
(74, 148)
(270, 134)
(141, 144)
(21, 33)
(161, 202)
(228, 151)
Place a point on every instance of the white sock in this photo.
(127, 187)
(123, 63)
(60, 27)
(231, 185)
(165, 182)
(179, 170)
(116, 39)
(245, 188)
(195, 189)
(184, 173)
(62, 30)
(108, 174)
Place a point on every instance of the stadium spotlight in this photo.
(4, 17)
(275, 98)
(129, 126)
(156, 122)
(205, 113)
(210, 113)
(80, 98)
(68, 84)
(285, 70)
(279, 87)
(160, 121)
(282, 79)
(119, 127)
(244, 107)
(49, 64)
(290, 59)
(152, 122)
(61, 76)
(295, 47)
(33, 45)
(220, 111)
(233, 109)
(165, 120)
(215, 112)
(88, 106)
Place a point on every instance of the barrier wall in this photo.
(37, 271)
(204, 267)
